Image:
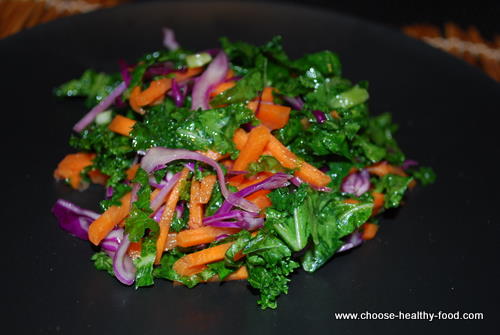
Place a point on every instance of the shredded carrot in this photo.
(191, 72)
(132, 171)
(171, 241)
(134, 96)
(105, 223)
(254, 146)
(382, 168)
(121, 125)
(195, 206)
(202, 235)
(240, 138)
(168, 215)
(267, 94)
(221, 88)
(195, 262)
(134, 250)
(97, 177)
(206, 187)
(229, 74)
(213, 155)
(273, 116)
(71, 167)
(240, 274)
(351, 201)
(305, 171)
(260, 199)
(378, 202)
(369, 231)
(335, 114)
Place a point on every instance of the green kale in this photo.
(103, 262)
(424, 175)
(92, 85)
(291, 215)
(168, 126)
(338, 171)
(118, 192)
(266, 163)
(394, 188)
(334, 220)
(114, 153)
(245, 89)
(144, 263)
(381, 131)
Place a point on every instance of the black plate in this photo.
(438, 253)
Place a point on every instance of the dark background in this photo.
(485, 15)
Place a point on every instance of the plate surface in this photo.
(437, 253)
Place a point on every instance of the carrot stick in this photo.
(382, 168)
(134, 250)
(260, 198)
(195, 207)
(253, 149)
(305, 171)
(240, 274)
(351, 201)
(134, 96)
(204, 234)
(191, 72)
(212, 154)
(369, 231)
(378, 202)
(132, 171)
(206, 188)
(240, 138)
(105, 223)
(267, 94)
(273, 116)
(171, 241)
(191, 264)
(155, 90)
(121, 125)
(221, 88)
(168, 215)
(97, 177)
(71, 167)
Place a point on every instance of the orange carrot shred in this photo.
(121, 125)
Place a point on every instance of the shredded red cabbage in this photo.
(214, 74)
(297, 103)
(277, 180)
(123, 267)
(113, 240)
(319, 115)
(409, 163)
(235, 219)
(356, 183)
(353, 240)
(169, 40)
(100, 107)
(158, 158)
(156, 202)
(124, 71)
(73, 219)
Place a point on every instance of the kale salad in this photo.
(234, 163)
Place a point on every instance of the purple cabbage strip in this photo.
(235, 219)
(297, 103)
(75, 220)
(100, 107)
(161, 69)
(214, 74)
(409, 163)
(177, 94)
(277, 180)
(356, 183)
(319, 115)
(157, 158)
(164, 191)
(112, 241)
(353, 240)
(109, 192)
(169, 40)
(123, 267)
(124, 71)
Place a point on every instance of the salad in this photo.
(235, 163)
